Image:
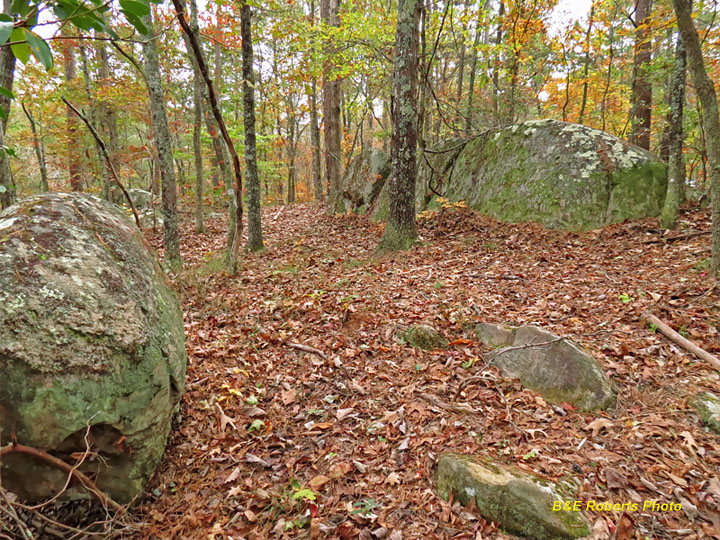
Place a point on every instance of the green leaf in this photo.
(3, 114)
(7, 93)
(6, 29)
(137, 23)
(136, 8)
(40, 49)
(20, 50)
(21, 7)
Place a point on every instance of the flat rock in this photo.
(92, 346)
(707, 406)
(558, 369)
(518, 502)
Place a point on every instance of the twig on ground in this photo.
(10, 511)
(306, 348)
(676, 338)
(668, 239)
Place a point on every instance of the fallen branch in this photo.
(105, 154)
(306, 348)
(60, 464)
(685, 236)
(676, 338)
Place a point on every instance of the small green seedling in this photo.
(365, 507)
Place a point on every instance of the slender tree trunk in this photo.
(163, 142)
(314, 128)
(461, 60)
(608, 78)
(92, 103)
(401, 230)
(198, 96)
(473, 66)
(255, 236)
(74, 149)
(37, 146)
(640, 114)
(331, 108)
(705, 91)
(496, 65)
(8, 194)
(108, 116)
(586, 66)
(676, 164)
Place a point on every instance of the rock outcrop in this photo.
(424, 337)
(520, 503)
(556, 368)
(364, 178)
(562, 175)
(92, 346)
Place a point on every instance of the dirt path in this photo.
(271, 435)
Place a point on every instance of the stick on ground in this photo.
(676, 338)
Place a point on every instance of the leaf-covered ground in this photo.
(276, 442)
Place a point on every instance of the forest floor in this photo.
(275, 442)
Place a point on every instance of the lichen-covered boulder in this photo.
(563, 175)
(362, 182)
(519, 503)
(424, 337)
(707, 405)
(92, 346)
(141, 198)
(556, 368)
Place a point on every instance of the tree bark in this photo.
(496, 65)
(401, 230)
(198, 97)
(331, 107)
(314, 128)
(107, 114)
(163, 143)
(676, 164)
(8, 194)
(473, 67)
(255, 236)
(39, 149)
(74, 150)
(705, 91)
(586, 66)
(640, 114)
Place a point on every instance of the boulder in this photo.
(92, 346)
(556, 368)
(563, 175)
(362, 182)
(424, 337)
(707, 406)
(141, 198)
(519, 503)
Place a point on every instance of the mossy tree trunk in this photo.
(676, 164)
(255, 237)
(401, 230)
(163, 143)
(705, 91)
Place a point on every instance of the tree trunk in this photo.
(108, 116)
(401, 230)
(38, 147)
(640, 114)
(8, 194)
(676, 164)
(473, 67)
(163, 143)
(705, 91)
(74, 150)
(496, 66)
(255, 236)
(198, 95)
(314, 128)
(92, 105)
(331, 107)
(586, 66)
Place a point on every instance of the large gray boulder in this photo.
(707, 405)
(563, 175)
(556, 368)
(92, 346)
(520, 503)
(364, 178)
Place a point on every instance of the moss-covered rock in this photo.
(424, 337)
(363, 180)
(707, 406)
(92, 345)
(520, 503)
(556, 368)
(562, 175)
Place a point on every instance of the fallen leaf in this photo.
(597, 426)
(318, 481)
(393, 479)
